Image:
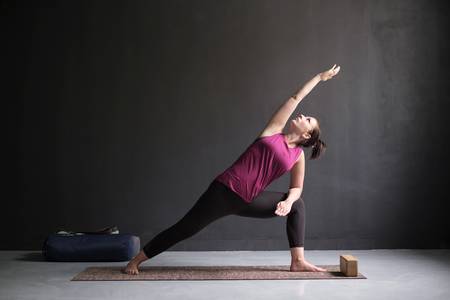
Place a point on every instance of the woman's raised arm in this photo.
(282, 115)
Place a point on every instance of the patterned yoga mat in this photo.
(210, 273)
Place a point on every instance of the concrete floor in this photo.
(392, 274)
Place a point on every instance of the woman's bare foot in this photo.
(132, 267)
(304, 266)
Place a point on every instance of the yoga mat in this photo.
(209, 273)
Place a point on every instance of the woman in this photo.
(239, 189)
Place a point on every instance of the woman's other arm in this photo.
(295, 187)
(297, 178)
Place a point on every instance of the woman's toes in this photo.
(321, 269)
(131, 269)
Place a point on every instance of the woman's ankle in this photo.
(142, 253)
(297, 254)
(140, 257)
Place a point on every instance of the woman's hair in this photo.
(318, 146)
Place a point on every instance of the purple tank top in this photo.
(266, 159)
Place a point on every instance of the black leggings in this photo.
(219, 201)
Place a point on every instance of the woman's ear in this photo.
(306, 136)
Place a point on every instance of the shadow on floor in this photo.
(34, 256)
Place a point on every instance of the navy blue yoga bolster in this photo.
(91, 247)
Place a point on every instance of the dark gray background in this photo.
(121, 113)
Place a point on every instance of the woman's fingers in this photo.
(282, 209)
(280, 212)
(334, 70)
(337, 70)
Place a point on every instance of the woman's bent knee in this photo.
(298, 206)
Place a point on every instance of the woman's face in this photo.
(303, 125)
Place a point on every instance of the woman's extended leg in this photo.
(265, 205)
(214, 203)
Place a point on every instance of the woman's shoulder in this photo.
(301, 156)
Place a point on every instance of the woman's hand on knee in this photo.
(283, 208)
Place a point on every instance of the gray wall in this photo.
(123, 112)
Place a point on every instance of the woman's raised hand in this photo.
(324, 76)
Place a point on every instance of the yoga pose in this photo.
(239, 190)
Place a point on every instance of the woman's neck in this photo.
(292, 139)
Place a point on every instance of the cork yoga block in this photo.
(349, 265)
